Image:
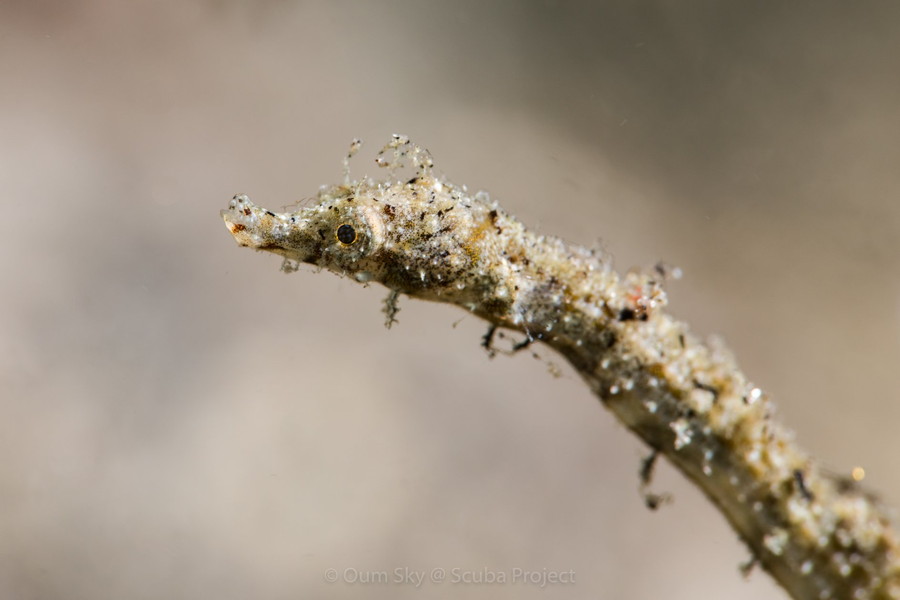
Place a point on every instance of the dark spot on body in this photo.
(497, 305)
(314, 258)
(321, 233)
(239, 227)
(270, 213)
(608, 339)
(800, 483)
(388, 210)
(493, 216)
(708, 388)
(627, 314)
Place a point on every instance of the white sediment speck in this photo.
(776, 541)
(754, 395)
(683, 433)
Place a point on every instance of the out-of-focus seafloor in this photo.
(178, 419)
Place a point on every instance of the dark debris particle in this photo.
(707, 388)
(487, 340)
(627, 314)
(747, 567)
(654, 501)
(800, 483)
(647, 465)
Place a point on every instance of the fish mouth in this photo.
(255, 227)
(242, 218)
(233, 226)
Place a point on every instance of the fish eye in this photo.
(346, 234)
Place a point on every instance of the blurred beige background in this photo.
(180, 420)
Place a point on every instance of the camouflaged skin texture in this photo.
(427, 238)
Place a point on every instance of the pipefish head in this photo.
(340, 233)
(421, 237)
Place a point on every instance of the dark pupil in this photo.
(346, 234)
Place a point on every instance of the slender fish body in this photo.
(427, 238)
